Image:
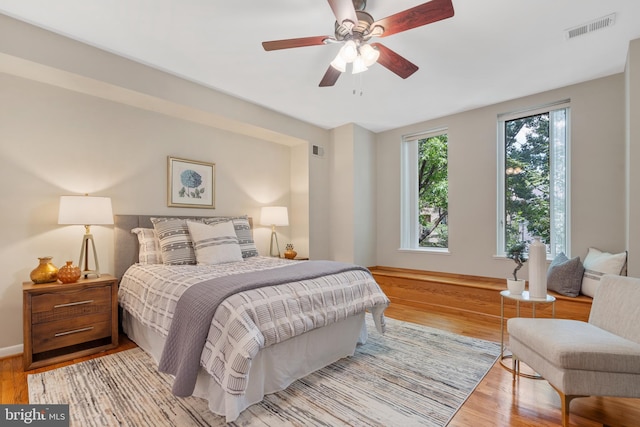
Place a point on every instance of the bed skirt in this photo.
(273, 369)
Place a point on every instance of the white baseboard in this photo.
(11, 351)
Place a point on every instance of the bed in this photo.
(288, 329)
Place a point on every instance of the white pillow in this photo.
(243, 231)
(597, 264)
(148, 246)
(214, 244)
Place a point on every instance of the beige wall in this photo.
(341, 160)
(364, 197)
(597, 180)
(353, 195)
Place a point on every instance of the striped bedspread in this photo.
(265, 316)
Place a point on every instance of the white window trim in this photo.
(567, 179)
(504, 117)
(409, 222)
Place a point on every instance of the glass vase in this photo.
(69, 273)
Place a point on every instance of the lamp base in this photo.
(274, 236)
(84, 256)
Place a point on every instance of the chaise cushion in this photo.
(571, 344)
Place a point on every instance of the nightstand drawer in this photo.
(63, 333)
(52, 307)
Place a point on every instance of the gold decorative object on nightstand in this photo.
(45, 272)
(71, 321)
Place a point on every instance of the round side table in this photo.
(525, 298)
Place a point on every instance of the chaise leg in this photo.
(565, 401)
(515, 366)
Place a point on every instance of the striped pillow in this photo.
(214, 244)
(148, 246)
(243, 232)
(597, 264)
(175, 241)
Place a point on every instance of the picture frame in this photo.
(190, 183)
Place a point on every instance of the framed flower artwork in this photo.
(191, 184)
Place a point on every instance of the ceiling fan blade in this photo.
(394, 62)
(290, 43)
(344, 10)
(330, 77)
(433, 11)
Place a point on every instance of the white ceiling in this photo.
(490, 51)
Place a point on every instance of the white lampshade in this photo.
(274, 215)
(358, 66)
(369, 54)
(349, 51)
(339, 64)
(85, 210)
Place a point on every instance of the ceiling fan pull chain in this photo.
(358, 79)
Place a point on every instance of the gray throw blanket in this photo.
(197, 305)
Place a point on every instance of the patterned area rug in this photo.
(411, 376)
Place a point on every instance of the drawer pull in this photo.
(75, 331)
(73, 303)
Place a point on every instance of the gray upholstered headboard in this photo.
(126, 243)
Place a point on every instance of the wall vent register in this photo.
(318, 151)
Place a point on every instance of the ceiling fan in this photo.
(355, 28)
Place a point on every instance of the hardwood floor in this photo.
(497, 401)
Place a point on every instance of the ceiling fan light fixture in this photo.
(369, 54)
(349, 52)
(339, 63)
(358, 65)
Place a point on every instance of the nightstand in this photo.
(66, 321)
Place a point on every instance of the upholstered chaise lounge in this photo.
(578, 359)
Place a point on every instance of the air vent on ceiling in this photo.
(589, 27)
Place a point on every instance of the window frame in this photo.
(409, 215)
(555, 246)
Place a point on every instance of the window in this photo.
(533, 178)
(425, 191)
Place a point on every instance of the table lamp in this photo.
(275, 216)
(86, 210)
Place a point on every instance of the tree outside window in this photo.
(433, 192)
